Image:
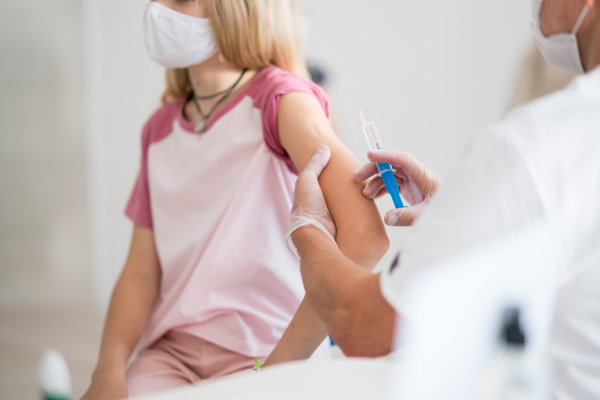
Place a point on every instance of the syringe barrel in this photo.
(385, 170)
(372, 136)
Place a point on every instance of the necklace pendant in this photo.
(199, 127)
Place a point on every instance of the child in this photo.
(209, 285)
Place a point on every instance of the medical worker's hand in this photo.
(416, 183)
(309, 206)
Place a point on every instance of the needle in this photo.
(362, 117)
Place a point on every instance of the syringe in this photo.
(385, 170)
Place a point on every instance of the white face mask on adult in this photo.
(561, 49)
(176, 40)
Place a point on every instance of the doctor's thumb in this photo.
(403, 216)
(318, 162)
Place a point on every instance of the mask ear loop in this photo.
(579, 22)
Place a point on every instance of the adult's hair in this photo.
(251, 34)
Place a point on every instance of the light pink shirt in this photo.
(219, 204)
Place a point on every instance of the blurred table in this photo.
(347, 379)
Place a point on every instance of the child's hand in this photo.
(105, 387)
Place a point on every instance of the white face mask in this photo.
(561, 49)
(176, 40)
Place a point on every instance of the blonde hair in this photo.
(251, 34)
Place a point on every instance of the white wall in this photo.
(123, 87)
(437, 71)
(43, 196)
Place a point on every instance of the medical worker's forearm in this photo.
(307, 330)
(347, 298)
(319, 256)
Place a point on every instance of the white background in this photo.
(44, 259)
(436, 71)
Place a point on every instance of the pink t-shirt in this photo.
(219, 205)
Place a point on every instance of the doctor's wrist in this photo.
(309, 238)
(301, 235)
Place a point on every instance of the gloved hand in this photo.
(309, 203)
(416, 183)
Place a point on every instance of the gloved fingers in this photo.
(365, 172)
(399, 172)
(409, 165)
(395, 158)
(370, 169)
(318, 162)
(374, 186)
(425, 179)
(403, 216)
(382, 192)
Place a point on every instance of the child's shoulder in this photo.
(269, 85)
(274, 81)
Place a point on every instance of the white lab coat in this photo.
(541, 161)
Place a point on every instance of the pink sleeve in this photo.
(276, 83)
(138, 208)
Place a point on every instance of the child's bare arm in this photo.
(130, 307)
(361, 236)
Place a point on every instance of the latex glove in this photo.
(309, 203)
(416, 183)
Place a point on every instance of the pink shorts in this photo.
(179, 359)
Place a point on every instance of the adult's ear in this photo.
(591, 3)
